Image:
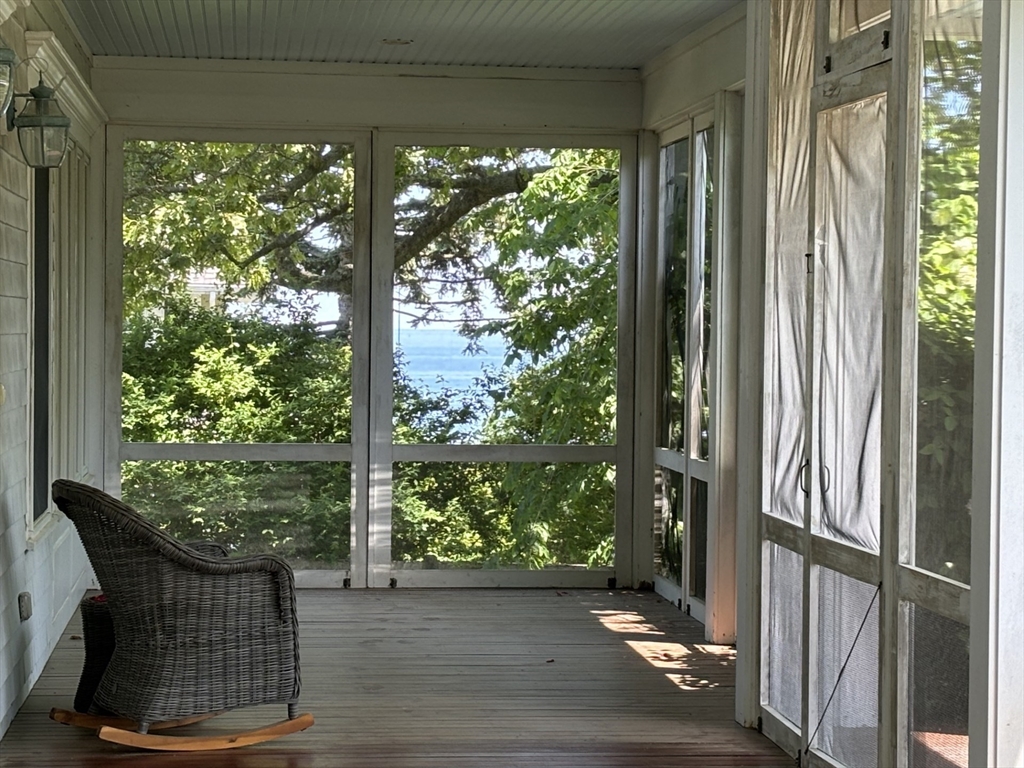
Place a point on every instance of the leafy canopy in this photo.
(516, 243)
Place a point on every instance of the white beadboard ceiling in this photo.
(514, 33)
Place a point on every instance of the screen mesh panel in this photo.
(785, 635)
(947, 268)
(675, 216)
(504, 300)
(225, 338)
(849, 728)
(939, 672)
(300, 511)
(699, 539)
(701, 284)
(668, 524)
(512, 515)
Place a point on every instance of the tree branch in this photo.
(288, 239)
(313, 168)
(440, 219)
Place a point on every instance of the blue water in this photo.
(435, 358)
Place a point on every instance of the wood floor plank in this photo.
(458, 678)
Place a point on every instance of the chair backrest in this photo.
(129, 554)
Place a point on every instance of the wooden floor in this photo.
(452, 679)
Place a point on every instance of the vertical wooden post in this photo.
(645, 394)
(114, 312)
(362, 325)
(997, 545)
(625, 571)
(751, 367)
(382, 268)
(93, 293)
(899, 374)
(720, 615)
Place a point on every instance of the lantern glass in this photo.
(43, 146)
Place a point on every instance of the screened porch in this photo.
(627, 383)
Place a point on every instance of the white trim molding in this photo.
(9, 7)
(997, 520)
(76, 98)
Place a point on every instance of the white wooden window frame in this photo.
(381, 571)
(117, 451)
(68, 327)
(371, 445)
(837, 56)
(723, 116)
(666, 458)
(74, 225)
(68, 243)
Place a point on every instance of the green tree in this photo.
(534, 232)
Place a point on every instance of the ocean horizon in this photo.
(436, 358)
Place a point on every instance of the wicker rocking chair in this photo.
(195, 634)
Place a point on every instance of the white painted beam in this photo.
(645, 410)
(751, 366)
(308, 96)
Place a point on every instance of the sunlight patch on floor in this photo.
(626, 621)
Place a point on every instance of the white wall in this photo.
(689, 74)
(49, 561)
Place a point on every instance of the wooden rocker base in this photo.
(95, 722)
(203, 743)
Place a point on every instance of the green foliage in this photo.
(195, 375)
(273, 226)
(244, 211)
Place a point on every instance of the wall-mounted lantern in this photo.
(7, 61)
(42, 127)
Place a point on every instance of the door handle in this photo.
(828, 479)
(803, 486)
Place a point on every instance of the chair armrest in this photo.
(210, 548)
(201, 564)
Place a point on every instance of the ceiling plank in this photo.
(605, 34)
